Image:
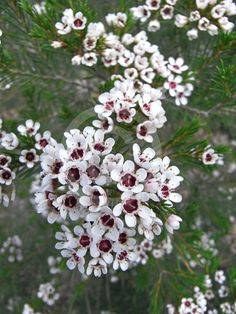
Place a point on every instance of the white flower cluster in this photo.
(139, 59)
(13, 248)
(110, 197)
(48, 293)
(208, 15)
(147, 248)
(15, 158)
(212, 300)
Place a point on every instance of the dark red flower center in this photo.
(128, 180)
(107, 221)
(93, 171)
(123, 238)
(99, 147)
(84, 240)
(78, 22)
(130, 205)
(6, 175)
(3, 161)
(96, 197)
(73, 174)
(165, 191)
(57, 166)
(77, 153)
(143, 131)
(70, 201)
(173, 85)
(105, 246)
(30, 156)
(124, 114)
(43, 142)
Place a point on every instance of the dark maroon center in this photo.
(76, 257)
(105, 124)
(43, 142)
(99, 147)
(208, 157)
(77, 153)
(30, 156)
(93, 171)
(95, 197)
(6, 175)
(3, 161)
(165, 191)
(128, 180)
(84, 240)
(176, 67)
(70, 201)
(122, 255)
(130, 205)
(78, 23)
(105, 246)
(124, 114)
(57, 166)
(187, 303)
(73, 174)
(143, 131)
(146, 107)
(107, 221)
(167, 11)
(109, 105)
(123, 238)
(172, 85)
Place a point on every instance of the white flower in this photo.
(96, 29)
(220, 276)
(89, 59)
(194, 16)
(29, 310)
(117, 20)
(30, 128)
(141, 13)
(209, 157)
(153, 4)
(212, 30)
(73, 174)
(76, 60)
(143, 159)
(126, 58)
(147, 75)
(99, 145)
(203, 24)
(144, 131)
(65, 237)
(9, 141)
(4, 161)
(131, 73)
(79, 21)
(177, 66)
(192, 34)
(218, 11)
(123, 259)
(128, 178)
(104, 248)
(57, 44)
(42, 140)
(95, 199)
(173, 223)
(48, 293)
(90, 42)
(141, 63)
(225, 24)
(98, 266)
(75, 260)
(64, 27)
(181, 98)
(105, 223)
(6, 176)
(173, 85)
(29, 157)
(202, 4)
(40, 8)
(167, 12)
(154, 26)
(105, 123)
(124, 112)
(127, 39)
(223, 292)
(133, 208)
(181, 20)
(68, 203)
